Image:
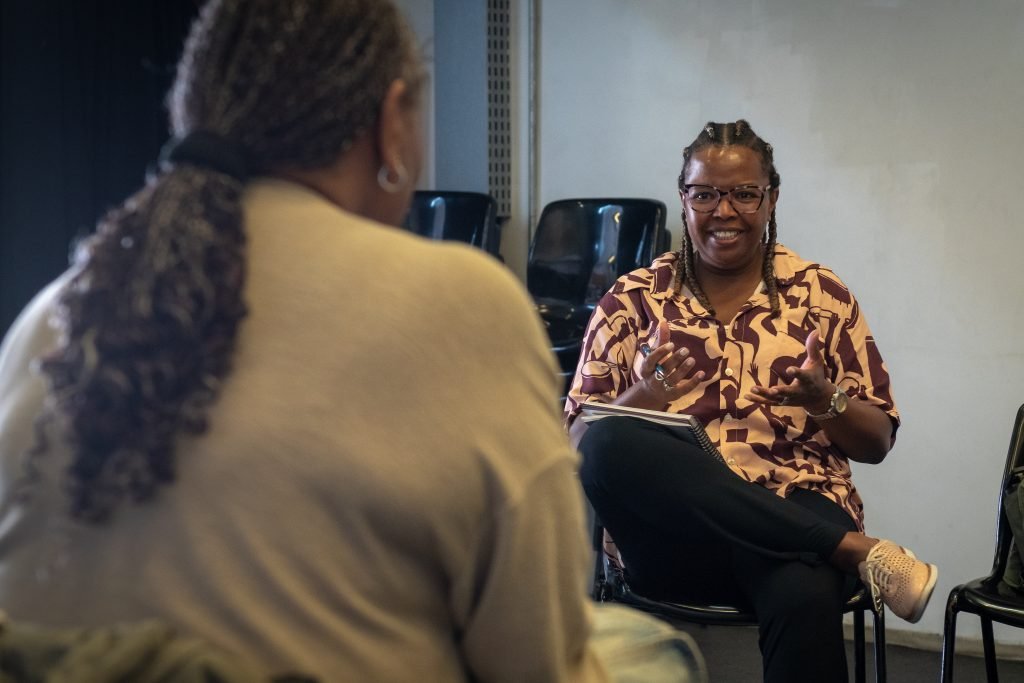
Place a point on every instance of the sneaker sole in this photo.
(926, 595)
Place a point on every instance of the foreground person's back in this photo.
(384, 491)
(273, 422)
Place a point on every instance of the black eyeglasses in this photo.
(705, 198)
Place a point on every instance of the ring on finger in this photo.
(784, 401)
(659, 374)
(665, 383)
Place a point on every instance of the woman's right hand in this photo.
(653, 392)
(665, 374)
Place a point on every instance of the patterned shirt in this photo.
(778, 447)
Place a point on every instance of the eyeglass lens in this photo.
(706, 198)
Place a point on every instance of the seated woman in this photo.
(773, 355)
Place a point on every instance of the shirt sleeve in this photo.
(852, 356)
(609, 347)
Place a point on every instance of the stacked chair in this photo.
(580, 247)
(469, 217)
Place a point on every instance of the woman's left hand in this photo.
(808, 389)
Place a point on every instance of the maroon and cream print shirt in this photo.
(776, 447)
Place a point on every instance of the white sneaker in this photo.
(898, 579)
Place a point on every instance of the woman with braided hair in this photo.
(772, 354)
(268, 419)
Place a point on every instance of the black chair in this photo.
(580, 247)
(610, 585)
(469, 217)
(983, 596)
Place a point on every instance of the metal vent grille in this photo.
(499, 105)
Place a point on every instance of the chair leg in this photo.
(991, 667)
(858, 647)
(880, 671)
(949, 636)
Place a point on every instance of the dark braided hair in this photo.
(724, 135)
(149, 318)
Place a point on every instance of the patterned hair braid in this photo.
(149, 319)
(688, 272)
(768, 268)
(724, 135)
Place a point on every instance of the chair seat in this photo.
(983, 596)
(704, 614)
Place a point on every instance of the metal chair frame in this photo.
(982, 596)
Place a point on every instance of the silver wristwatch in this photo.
(836, 406)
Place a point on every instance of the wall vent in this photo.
(499, 105)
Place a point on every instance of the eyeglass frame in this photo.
(686, 187)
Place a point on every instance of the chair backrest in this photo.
(469, 217)
(1014, 460)
(581, 246)
(664, 242)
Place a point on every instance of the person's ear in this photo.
(773, 199)
(392, 129)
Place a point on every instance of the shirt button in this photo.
(728, 372)
(731, 461)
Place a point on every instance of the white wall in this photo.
(898, 135)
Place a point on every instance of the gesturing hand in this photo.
(808, 389)
(666, 372)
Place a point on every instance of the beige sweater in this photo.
(386, 493)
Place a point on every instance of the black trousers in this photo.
(688, 528)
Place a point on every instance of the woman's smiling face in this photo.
(726, 240)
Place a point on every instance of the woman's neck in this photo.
(714, 279)
(727, 291)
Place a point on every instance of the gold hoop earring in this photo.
(386, 183)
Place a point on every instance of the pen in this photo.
(659, 372)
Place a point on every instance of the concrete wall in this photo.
(460, 91)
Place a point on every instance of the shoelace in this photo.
(879, 577)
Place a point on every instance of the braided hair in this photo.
(724, 135)
(149, 318)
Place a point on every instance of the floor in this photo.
(732, 656)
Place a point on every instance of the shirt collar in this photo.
(657, 279)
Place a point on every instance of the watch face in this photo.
(840, 402)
